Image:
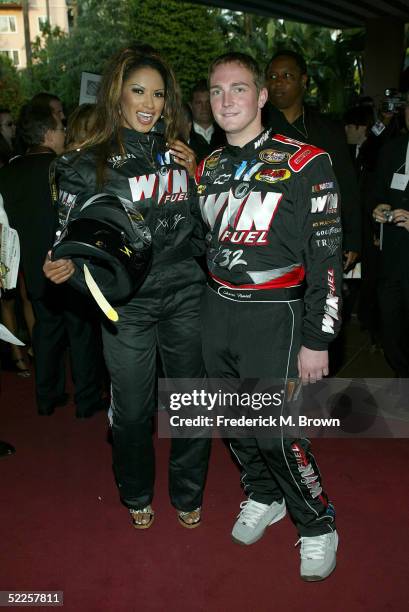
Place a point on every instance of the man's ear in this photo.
(304, 79)
(262, 97)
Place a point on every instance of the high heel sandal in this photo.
(21, 367)
(143, 518)
(191, 519)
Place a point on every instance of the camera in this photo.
(388, 216)
(393, 102)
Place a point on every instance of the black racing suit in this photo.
(163, 315)
(273, 216)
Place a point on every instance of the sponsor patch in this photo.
(221, 179)
(327, 203)
(201, 189)
(262, 139)
(212, 161)
(322, 186)
(273, 156)
(270, 175)
(241, 190)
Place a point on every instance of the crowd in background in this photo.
(357, 149)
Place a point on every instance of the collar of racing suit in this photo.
(250, 147)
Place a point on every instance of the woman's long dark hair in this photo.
(106, 131)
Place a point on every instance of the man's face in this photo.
(7, 127)
(56, 138)
(57, 110)
(285, 82)
(235, 101)
(356, 134)
(202, 113)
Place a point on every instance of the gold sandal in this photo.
(190, 519)
(143, 518)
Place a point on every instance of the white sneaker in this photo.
(318, 556)
(254, 518)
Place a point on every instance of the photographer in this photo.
(392, 212)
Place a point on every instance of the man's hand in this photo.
(401, 218)
(312, 365)
(184, 156)
(350, 259)
(379, 212)
(58, 271)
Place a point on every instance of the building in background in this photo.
(12, 36)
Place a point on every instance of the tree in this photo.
(334, 58)
(11, 95)
(187, 35)
(59, 59)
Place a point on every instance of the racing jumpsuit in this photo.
(163, 315)
(275, 271)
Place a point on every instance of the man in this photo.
(271, 208)
(47, 100)
(287, 81)
(24, 186)
(392, 212)
(205, 136)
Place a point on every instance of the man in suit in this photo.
(286, 112)
(59, 311)
(205, 135)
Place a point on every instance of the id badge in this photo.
(400, 181)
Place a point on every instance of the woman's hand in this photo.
(184, 156)
(401, 218)
(379, 213)
(58, 271)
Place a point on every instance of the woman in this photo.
(126, 155)
(79, 126)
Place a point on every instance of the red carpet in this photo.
(63, 528)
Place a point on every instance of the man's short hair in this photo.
(34, 122)
(297, 57)
(244, 60)
(199, 87)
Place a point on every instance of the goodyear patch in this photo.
(272, 175)
(273, 156)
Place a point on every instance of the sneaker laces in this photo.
(251, 512)
(313, 547)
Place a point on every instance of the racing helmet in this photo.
(110, 236)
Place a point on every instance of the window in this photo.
(8, 23)
(42, 21)
(13, 54)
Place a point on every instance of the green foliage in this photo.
(334, 58)
(11, 95)
(59, 60)
(187, 35)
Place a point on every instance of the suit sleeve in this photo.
(322, 253)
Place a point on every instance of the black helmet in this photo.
(110, 236)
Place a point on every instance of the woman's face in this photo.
(7, 127)
(142, 99)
